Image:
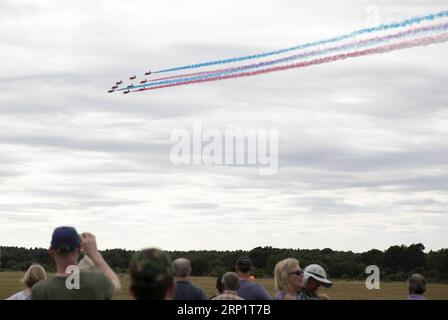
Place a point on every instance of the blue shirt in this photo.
(250, 290)
(185, 290)
(416, 297)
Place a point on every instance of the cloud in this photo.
(362, 143)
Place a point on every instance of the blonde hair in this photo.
(282, 270)
(33, 275)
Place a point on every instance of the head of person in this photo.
(288, 277)
(182, 268)
(243, 265)
(416, 284)
(33, 275)
(314, 277)
(152, 275)
(230, 281)
(218, 286)
(65, 245)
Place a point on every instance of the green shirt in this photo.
(92, 286)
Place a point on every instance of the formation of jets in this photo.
(118, 83)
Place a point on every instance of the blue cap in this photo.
(65, 239)
(243, 261)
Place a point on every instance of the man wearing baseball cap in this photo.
(152, 275)
(248, 289)
(314, 277)
(66, 245)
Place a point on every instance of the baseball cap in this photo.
(65, 239)
(152, 273)
(244, 263)
(152, 264)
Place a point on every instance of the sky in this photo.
(363, 152)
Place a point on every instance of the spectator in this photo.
(230, 283)
(152, 275)
(288, 280)
(417, 287)
(66, 245)
(249, 290)
(218, 287)
(34, 274)
(314, 277)
(185, 290)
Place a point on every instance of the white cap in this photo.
(318, 273)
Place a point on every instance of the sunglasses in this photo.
(297, 272)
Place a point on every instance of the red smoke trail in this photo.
(343, 56)
(350, 45)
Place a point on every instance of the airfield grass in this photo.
(341, 290)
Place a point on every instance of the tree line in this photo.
(395, 263)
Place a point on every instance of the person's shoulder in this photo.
(250, 283)
(258, 287)
(103, 282)
(13, 297)
(22, 295)
(96, 277)
(43, 284)
(191, 285)
(279, 296)
(93, 275)
(256, 284)
(200, 293)
(185, 286)
(38, 292)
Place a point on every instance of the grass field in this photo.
(341, 290)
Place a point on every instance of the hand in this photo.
(323, 296)
(88, 244)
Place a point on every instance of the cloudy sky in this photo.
(363, 151)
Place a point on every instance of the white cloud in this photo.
(363, 152)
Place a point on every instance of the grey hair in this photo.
(417, 284)
(230, 281)
(182, 267)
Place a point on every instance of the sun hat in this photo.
(318, 273)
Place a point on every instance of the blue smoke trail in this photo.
(354, 45)
(381, 27)
(443, 37)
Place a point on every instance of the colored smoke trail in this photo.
(378, 50)
(355, 45)
(382, 27)
(348, 46)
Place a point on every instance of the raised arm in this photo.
(89, 247)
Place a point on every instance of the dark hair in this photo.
(244, 267)
(219, 286)
(416, 284)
